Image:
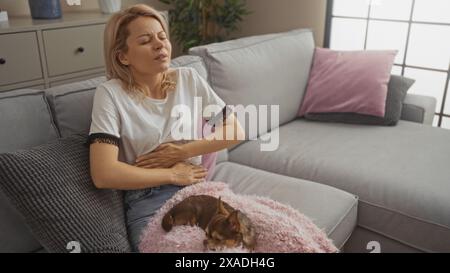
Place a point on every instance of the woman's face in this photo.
(149, 50)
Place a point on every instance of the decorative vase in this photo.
(110, 6)
(45, 9)
(3, 16)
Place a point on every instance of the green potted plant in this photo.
(197, 22)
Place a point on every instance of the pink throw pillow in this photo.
(348, 82)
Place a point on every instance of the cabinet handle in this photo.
(2, 61)
(80, 49)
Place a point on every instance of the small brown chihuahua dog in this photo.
(224, 225)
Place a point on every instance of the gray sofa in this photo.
(359, 183)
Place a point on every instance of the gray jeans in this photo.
(141, 205)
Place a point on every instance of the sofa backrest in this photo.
(25, 121)
(71, 105)
(191, 61)
(270, 69)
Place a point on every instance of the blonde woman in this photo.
(131, 145)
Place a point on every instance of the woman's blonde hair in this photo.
(115, 41)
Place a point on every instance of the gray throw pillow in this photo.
(50, 185)
(397, 89)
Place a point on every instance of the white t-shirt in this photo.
(142, 125)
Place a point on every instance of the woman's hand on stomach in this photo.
(184, 174)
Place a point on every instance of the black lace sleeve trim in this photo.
(103, 138)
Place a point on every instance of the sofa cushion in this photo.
(71, 105)
(51, 187)
(400, 173)
(191, 61)
(27, 117)
(269, 69)
(26, 121)
(332, 210)
(361, 237)
(397, 88)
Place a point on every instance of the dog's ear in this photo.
(220, 207)
(233, 220)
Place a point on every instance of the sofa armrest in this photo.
(419, 108)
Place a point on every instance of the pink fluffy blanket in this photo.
(279, 228)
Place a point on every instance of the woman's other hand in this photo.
(165, 156)
(184, 174)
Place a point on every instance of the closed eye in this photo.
(149, 37)
(146, 41)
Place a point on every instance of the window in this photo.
(418, 29)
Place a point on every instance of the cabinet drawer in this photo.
(19, 58)
(74, 49)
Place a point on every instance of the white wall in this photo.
(281, 15)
